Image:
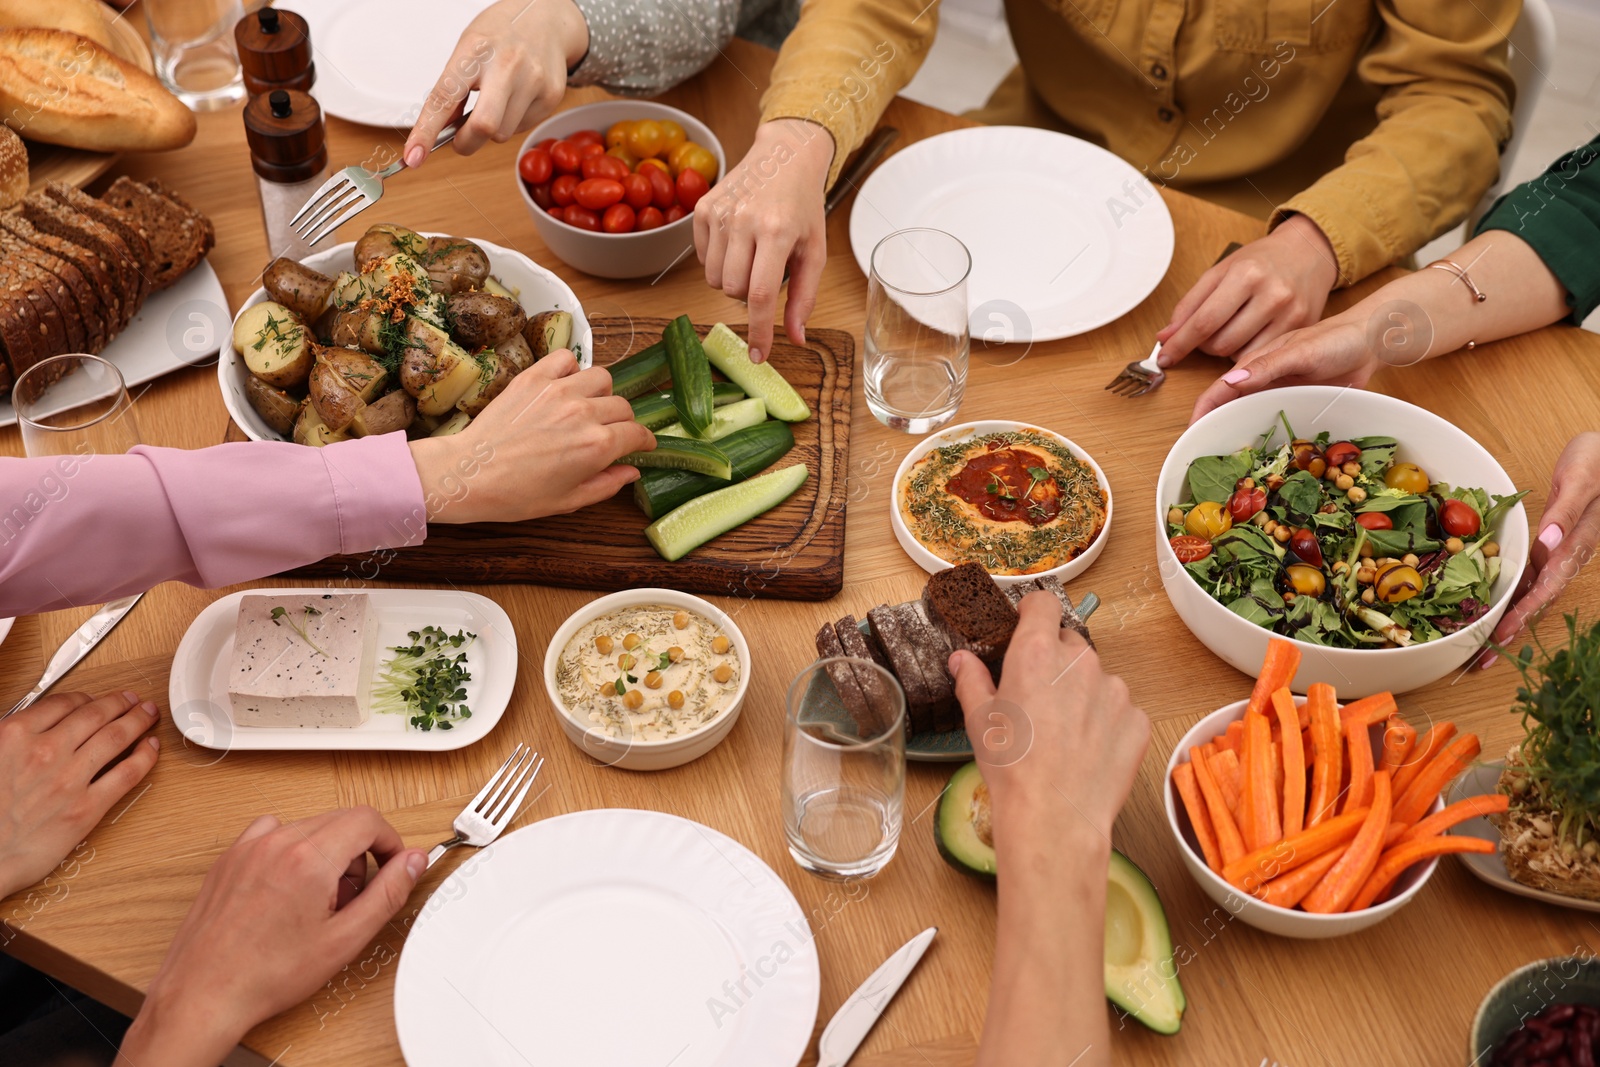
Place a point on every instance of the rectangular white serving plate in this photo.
(198, 693)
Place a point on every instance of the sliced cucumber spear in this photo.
(730, 355)
(683, 454)
(655, 410)
(683, 529)
(691, 376)
(640, 372)
(749, 451)
(725, 420)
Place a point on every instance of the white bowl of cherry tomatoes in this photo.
(612, 186)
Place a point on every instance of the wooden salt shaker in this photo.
(290, 157)
(274, 51)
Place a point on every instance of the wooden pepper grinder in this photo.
(274, 51)
(290, 158)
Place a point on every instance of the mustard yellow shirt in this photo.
(1380, 120)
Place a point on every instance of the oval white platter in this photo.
(1482, 779)
(198, 693)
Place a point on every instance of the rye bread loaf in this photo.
(61, 276)
(973, 611)
(119, 223)
(878, 693)
(178, 236)
(102, 280)
(933, 654)
(890, 626)
(35, 287)
(1070, 619)
(858, 644)
(70, 266)
(72, 225)
(18, 324)
(844, 678)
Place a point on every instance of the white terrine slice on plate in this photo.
(306, 665)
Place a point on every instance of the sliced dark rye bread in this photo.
(155, 186)
(70, 265)
(890, 627)
(843, 677)
(858, 645)
(38, 287)
(179, 235)
(933, 649)
(63, 289)
(70, 224)
(102, 286)
(973, 610)
(19, 326)
(119, 223)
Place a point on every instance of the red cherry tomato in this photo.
(1375, 520)
(604, 166)
(590, 148)
(673, 214)
(535, 166)
(692, 186)
(587, 137)
(1341, 452)
(1189, 548)
(619, 218)
(1303, 543)
(544, 145)
(564, 154)
(597, 194)
(662, 194)
(650, 218)
(556, 212)
(541, 195)
(561, 189)
(636, 191)
(581, 217)
(1459, 518)
(1241, 505)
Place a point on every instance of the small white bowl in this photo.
(537, 288)
(617, 255)
(956, 434)
(1285, 922)
(1447, 454)
(646, 755)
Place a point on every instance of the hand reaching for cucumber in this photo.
(546, 446)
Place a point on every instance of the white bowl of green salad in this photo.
(1380, 538)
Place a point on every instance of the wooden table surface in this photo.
(1402, 992)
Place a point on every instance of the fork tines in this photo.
(338, 200)
(500, 798)
(1129, 384)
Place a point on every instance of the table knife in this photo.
(78, 646)
(852, 1022)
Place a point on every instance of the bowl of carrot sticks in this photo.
(1307, 818)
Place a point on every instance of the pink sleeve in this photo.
(85, 529)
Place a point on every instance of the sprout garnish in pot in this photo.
(1336, 542)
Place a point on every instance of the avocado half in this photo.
(1141, 976)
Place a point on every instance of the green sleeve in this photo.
(1558, 214)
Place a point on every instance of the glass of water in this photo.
(844, 768)
(195, 52)
(915, 361)
(74, 405)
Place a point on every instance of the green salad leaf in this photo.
(1213, 477)
(1301, 493)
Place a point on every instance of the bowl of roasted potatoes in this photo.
(398, 331)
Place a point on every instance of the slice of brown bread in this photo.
(69, 224)
(62, 278)
(974, 612)
(50, 333)
(844, 680)
(102, 287)
(66, 261)
(933, 651)
(18, 324)
(858, 645)
(179, 236)
(155, 186)
(890, 628)
(119, 223)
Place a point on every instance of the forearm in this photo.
(178, 1034)
(644, 48)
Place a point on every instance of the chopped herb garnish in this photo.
(280, 616)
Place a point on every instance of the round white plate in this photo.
(1481, 779)
(609, 938)
(378, 59)
(538, 289)
(1064, 236)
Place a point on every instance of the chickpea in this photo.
(1366, 550)
(720, 644)
(1282, 534)
(1341, 567)
(1344, 481)
(1333, 474)
(625, 661)
(1270, 526)
(1491, 549)
(653, 680)
(1274, 482)
(1351, 467)
(1175, 516)
(680, 620)
(1247, 482)
(633, 700)
(1261, 519)
(1288, 598)
(1454, 545)
(631, 642)
(1356, 494)
(722, 673)
(608, 689)
(674, 654)
(1368, 596)
(604, 645)
(1366, 575)
(675, 699)
(1410, 559)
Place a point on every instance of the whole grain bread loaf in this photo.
(70, 224)
(60, 278)
(118, 222)
(78, 270)
(178, 236)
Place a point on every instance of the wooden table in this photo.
(1402, 992)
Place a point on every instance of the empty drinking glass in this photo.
(915, 363)
(195, 52)
(844, 768)
(74, 405)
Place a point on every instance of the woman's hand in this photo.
(1265, 289)
(1565, 543)
(52, 789)
(280, 912)
(1336, 351)
(546, 446)
(516, 53)
(764, 217)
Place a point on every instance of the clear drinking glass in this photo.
(74, 405)
(195, 52)
(844, 780)
(915, 363)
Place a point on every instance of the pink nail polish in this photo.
(1236, 375)
(1488, 661)
(1550, 537)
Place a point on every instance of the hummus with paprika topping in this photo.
(1016, 502)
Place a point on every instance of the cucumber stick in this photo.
(725, 420)
(640, 372)
(749, 451)
(683, 454)
(655, 410)
(685, 528)
(691, 376)
(730, 355)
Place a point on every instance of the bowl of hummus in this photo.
(647, 679)
(1020, 500)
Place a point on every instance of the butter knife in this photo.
(855, 1019)
(77, 646)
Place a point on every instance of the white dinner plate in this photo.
(377, 59)
(1065, 237)
(609, 938)
(198, 693)
(1482, 779)
(183, 326)
(539, 290)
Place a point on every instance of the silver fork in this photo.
(1140, 376)
(352, 191)
(496, 804)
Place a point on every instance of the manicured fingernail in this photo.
(416, 863)
(1236, 375)
(415, 155)
(130, 696)
(155, 743)
(149, 708)
(1550, 537)
(1488, 661)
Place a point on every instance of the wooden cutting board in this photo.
(794, 552)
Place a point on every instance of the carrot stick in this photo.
(1440, 821)
(1399, 737)
(1235, 734)
(1268, 863)
(1247, 830)
(1371, 710)
(1222, 824)
(1422, 754)
(1307, 748)
(1345, 878)
(1183, 778)
(1359, 745)
(1260, 802)
(1286, 890)
(1294, 765)
(1394, 862)
(1224, 768)
(1327, 766)
(1208, 750)
(1277, 671)
(1425, 787)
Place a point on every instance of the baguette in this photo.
(86, 18)
(64, 89)
(13, 168)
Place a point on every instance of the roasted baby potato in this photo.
(377, 282)
(483, 320)
(304, 291)
(454, 424)
(394, 411)
(491, 284)
(309, 429)
(275, 345)
(342, 381)
(363, 373)
(455, 265)
(384, 240)
(436, 370)
(488, 386)
(277, 408)
(548, 331)
(357, 328)
(515, 349)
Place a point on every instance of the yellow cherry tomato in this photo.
(1407, 477)
(1306, 579)
(698, 159)
(645, 139)
(622, 153)
(1397, 582)
(672, 135)
(657, 163)
(674, 155)
(617, 135)
(1208, 519)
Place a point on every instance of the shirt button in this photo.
(1165, 114)
(1157, 70)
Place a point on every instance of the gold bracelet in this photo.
(1461, 274)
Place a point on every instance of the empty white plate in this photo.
(1482, 779)
(609, 938)
(378, 59)
(1065, 237)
